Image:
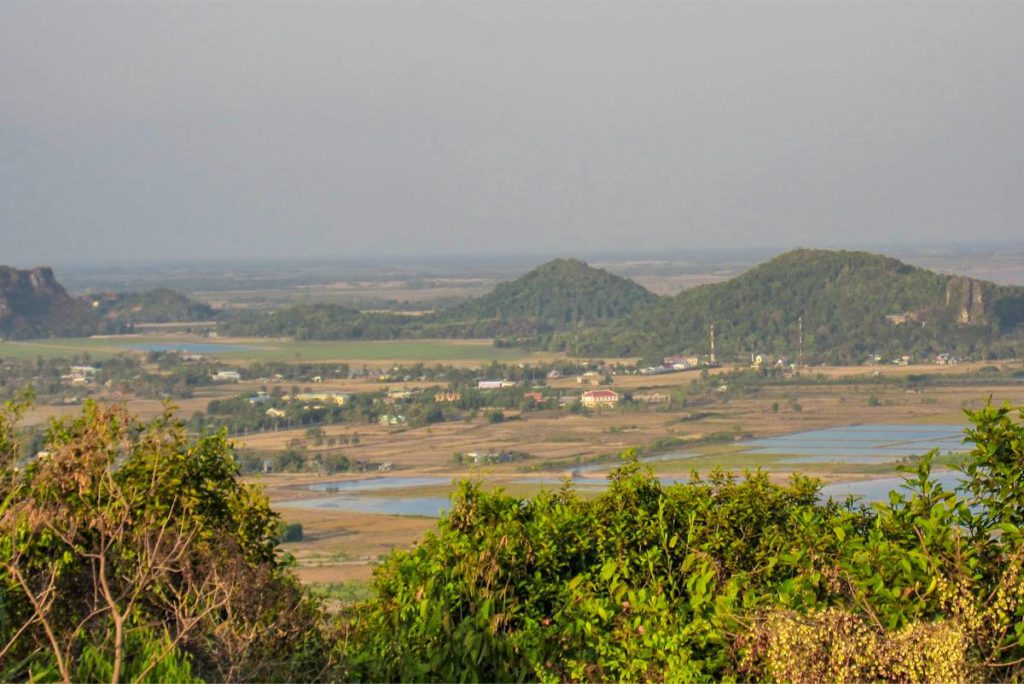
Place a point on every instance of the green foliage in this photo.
(554, 296)
(843, 298)
(155, 306)
(132, 551)
(289, 532)
(716, 579)
(551, 297)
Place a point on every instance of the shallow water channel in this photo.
(855, 444)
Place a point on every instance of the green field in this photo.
(269, 350)
(58, 348)
(403, 350)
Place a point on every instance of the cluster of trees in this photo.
(161, 305)
(132, 552)
(555, 296)
(843, 299)
(719, 578)
(174, 379)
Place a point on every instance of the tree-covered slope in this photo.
(852, 304)
(555, 294)
(318, 322)
(156, 306)
(546, 299)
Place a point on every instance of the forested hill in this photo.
(155, 306)
(34, 304)
(853, 304)
(556, 294)
(316, 322)
(548, 298)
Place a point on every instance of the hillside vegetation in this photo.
(548, 298)
(555, 295)
(34, 305)
(130, 552)
(853, 305)
(155, 306)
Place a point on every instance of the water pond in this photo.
(861, 443)
(854, 444)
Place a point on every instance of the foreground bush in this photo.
(715, 579)
(130, 552)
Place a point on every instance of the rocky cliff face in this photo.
(34, 304)
(967, 297)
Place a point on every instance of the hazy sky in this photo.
(159, 130)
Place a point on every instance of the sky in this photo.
(148, 131)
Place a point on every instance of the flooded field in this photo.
(855, 444)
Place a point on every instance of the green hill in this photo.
(852, 305)
(555, 294)
(155, 306)
(547, 299)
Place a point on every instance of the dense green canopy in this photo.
(852, 305)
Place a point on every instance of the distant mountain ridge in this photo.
(849, 305)
(33, 304)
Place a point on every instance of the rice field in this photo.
(243, 350)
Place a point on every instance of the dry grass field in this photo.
(343, 547)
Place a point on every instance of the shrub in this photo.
(721, 578)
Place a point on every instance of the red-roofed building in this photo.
(599, 397)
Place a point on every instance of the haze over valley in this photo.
(511, 341)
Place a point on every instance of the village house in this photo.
(80, 375)
(494, 384)
(326, 397)
(600, 397)
(682, 362)
(227, 376)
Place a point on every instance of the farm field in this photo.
(242, 350)
(713, 430)
(559, 442)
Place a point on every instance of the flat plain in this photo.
(710, 434)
